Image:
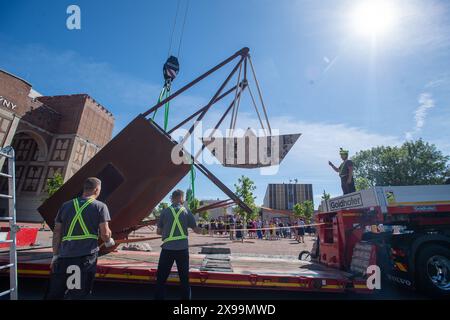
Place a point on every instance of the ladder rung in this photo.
(2, 154)
(5, 196)
(6, 241)
(5, 218)
(6, 266)
(4, 293)
(5, 175)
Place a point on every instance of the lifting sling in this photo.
(79, 218)
(176, 224)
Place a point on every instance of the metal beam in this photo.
(223, 95)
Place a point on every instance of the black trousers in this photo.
(63, 282)
(348, 187)
(166, 260)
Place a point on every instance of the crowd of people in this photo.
(267, 229)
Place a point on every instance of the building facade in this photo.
(283, 196)
(50, 134)
(217, 213)
(284, 216)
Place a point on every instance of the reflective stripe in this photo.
(81, 237)
(78, 218)
(176, 224)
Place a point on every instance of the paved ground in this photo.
(282, 247)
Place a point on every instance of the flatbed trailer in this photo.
(405, 231)
(225, 271)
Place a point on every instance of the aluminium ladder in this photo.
(8, 153)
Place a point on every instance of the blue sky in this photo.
(319, 75)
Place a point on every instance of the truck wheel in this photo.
(304, 256)
(433, 270)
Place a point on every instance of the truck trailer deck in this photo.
(205, 270)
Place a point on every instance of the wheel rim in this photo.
(305, 256)
(438, 271)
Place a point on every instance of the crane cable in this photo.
(171, 67)
(166, 89)
(182, 28)
(237, 100)
(260, 95)
(173, 29)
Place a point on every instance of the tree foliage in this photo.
(161, 206)
(413, 163)
(204, 215)
(54, 183)
(244, 190)
(325, 196)
(362, 183)
(304, 209)
(194, 204)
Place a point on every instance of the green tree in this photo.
(157, 211)
(304, 210)
(54, 183)
(244, 190)
(255, 213)
(204, 215)
(308, 209)
(362, 183)
(298, 210)
(193, 205)
(325, 196)
(413, 163)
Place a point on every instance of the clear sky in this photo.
(336, 71)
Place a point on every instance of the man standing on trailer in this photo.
(75, 243)
(345, 171)
(173, 225)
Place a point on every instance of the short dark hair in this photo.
(177, 194)
(91, 183)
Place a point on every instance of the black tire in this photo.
(427, 259)
(304, 256)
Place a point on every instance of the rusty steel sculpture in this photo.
(136, 167)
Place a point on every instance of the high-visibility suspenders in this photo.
(79, 218)
(341, 168)
(176, 224)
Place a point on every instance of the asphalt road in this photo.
(34, 289)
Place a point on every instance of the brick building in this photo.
(49, 134)
(280, 199)
(283, 196)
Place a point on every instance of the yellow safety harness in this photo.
(79, 218)
(176, 224)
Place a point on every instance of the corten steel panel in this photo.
(140, 158)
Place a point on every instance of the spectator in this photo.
(288, 230)
(266, 230)
(239, 233)
(212, 229)
(220, 227)
(282, 229)
(272, 230)
(232, 227)
(301, 231)
(259, 232)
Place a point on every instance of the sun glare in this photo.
(373, 17)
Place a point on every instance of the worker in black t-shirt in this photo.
(345, 171)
